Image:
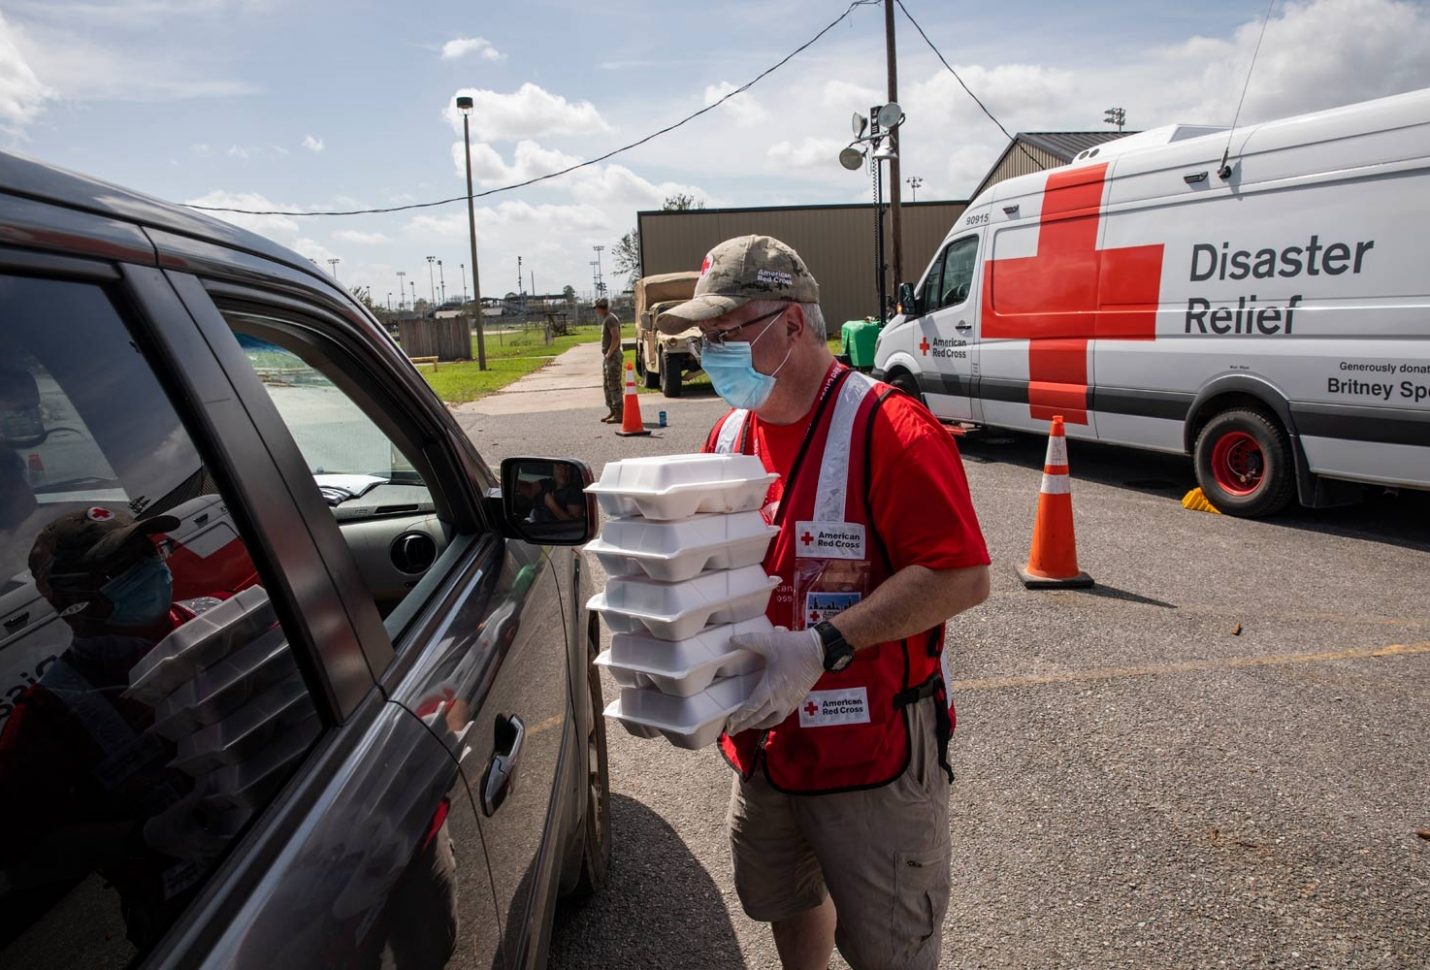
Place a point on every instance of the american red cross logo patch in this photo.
(1069, 293)
(97, 514)
(806, 538)
(811, 708)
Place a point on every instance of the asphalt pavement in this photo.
(1216, 757)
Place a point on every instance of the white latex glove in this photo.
(793, 662)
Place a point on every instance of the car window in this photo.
(384, 509)
(929, 290)
(957, 279)
(151, 706)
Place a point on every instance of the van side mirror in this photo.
(544, 501)
(908, 302)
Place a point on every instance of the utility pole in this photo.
(464, 105)
(431, 284)
(413, 284)
(896, 221)
(401, 288)
(462, 269)
(600, 273)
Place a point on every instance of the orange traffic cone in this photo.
(631, 423)
(1053, 559)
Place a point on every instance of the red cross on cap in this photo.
(705, 265)
(806, 538)
(98, 514)
(924, 346)
(1071, 292)
(811, 708)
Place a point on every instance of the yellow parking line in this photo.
(1187, 667)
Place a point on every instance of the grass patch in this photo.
(510, 356)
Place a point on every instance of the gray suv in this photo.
(288, 677)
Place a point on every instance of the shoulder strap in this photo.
(729, 431)
(831, 497)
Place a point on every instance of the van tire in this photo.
(905, 382)
(672, 367)
(1244, 463)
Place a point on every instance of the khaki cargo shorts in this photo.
(883, 854)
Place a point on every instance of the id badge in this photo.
(824, 588)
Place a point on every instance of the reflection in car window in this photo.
(958, 270)
(931, 289)
(149, 703)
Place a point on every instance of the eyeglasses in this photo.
(718, 337)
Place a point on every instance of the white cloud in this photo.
(529, 112)
(22, 95)
(312, 144)
(460, 47)
(280, 228)
(529, 161)
(240, 152)
(361, 238)
(743, 108)
(809, 152)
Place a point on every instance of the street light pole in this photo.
(413, 284)
(333, 263)
(464, 105)
(462, 271)
(441, 283)
(431, 283)
(896, 220)
(914, 183)
(600, 272)
(389, 301)
(401, 288)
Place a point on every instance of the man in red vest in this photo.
(839, 813)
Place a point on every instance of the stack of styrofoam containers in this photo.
(683, 549)
(226, 691)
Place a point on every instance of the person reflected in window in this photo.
(92, 788)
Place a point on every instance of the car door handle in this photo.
(960, 325)
(500, 776)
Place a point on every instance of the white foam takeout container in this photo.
(676, 551)
(678, 611)
(685, 667)
(678, 486)
(201, 642)
(686, 722)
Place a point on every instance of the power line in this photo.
(965, 87)
(568, 170)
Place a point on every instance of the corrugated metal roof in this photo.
(1066, 144)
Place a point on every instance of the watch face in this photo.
(842, 661)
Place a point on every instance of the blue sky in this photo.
(301, 105)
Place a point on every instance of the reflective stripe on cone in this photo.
(631, 423)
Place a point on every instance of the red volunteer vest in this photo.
(852, 731)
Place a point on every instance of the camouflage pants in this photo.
(611, 380)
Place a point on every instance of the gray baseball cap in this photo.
(740, 270)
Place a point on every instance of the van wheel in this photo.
(1244, 464)
(596, 843)
(905, 382)
(671, 368)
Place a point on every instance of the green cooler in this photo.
(858, 338)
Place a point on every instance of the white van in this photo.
(1274, 323)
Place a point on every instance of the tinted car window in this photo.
(958, 270)
(151, 705)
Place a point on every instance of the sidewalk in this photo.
(571, 380)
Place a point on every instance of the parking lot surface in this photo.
(1214, 758)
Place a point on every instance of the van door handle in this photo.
(500, 776)
(960, 325)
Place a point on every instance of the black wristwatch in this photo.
(837, 651)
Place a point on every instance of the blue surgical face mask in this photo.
(140, 595)
(732, 371)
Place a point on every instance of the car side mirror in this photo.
(908, 302)
(544, 501)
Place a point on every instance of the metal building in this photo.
(1033, 151)
(835, 241)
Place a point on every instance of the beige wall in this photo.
(836, 243)
(1014, 162)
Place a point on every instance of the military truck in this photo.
(662, 359)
